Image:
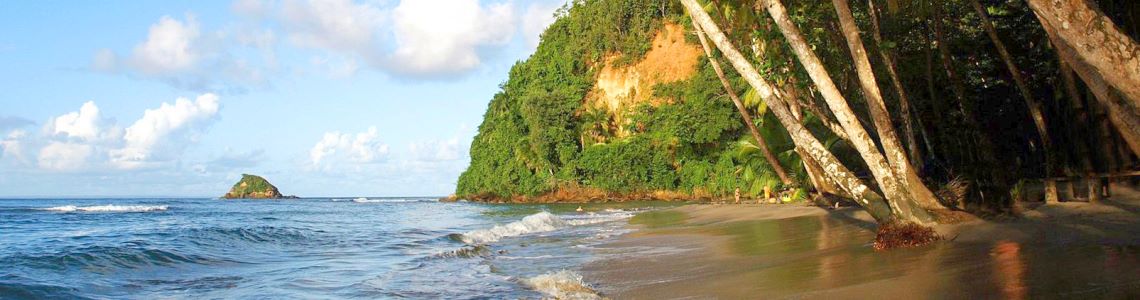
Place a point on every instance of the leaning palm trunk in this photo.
(909, 134)
(805, 142)
(1096, 41)
(760, 142)
(1124, 116)
(1034, 106)
(894, 188)
(893, 147)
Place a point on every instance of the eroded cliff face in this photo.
(619, 89)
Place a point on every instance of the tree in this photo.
(1096, 41)
(895, 154)
(902, 202)
(1027, 95)
(904, 101)
(1120, 112)
(760, 143)
(804, 140)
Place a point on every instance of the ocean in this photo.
(309, 248)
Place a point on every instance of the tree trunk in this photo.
(1096, 41)
(947, 62)
(1034, 106)
(935, 104)
(814, 170)
(894, 188)
(760, 142)
(1124, 116)
(804, 140)
(892, 146)
(904, 102)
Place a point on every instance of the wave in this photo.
(562, 285)
(17, 287)
(106, 259)
(366, 200)
(107, 208)
(539, 222)
(258, 234)
(466, 252)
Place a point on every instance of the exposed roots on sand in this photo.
(904, 235)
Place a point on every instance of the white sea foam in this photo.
(108, 208)
(536, 223)
(562, 285)
(366, 200)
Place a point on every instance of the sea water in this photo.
(350, 247)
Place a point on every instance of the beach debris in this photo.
(904, 235)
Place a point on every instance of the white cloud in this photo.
(443, 36)
(336, 150)
(181, 54)
(339, 25)
(65, 156)
(84, 140)
(164, 131)
(12, 146)
(169, 47)
(83, 124)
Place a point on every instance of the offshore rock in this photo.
(254, 187)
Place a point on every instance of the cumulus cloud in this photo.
(12, 146)
(444, 36)
(338, 150)
(332, 24)
(415, 38)
(168, 47)
(165, 130)
(84, 140)
(179, 53)
(65, 156)
(83, 124)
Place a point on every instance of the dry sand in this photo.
(1066, 250)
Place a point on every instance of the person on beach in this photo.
(736, 194)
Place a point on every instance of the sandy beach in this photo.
(1065, 250)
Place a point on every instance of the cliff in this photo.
(254, 187)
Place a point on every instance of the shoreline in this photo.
(777, 251)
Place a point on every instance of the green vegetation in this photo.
(537, 136)
(253, 187)
(947, 98)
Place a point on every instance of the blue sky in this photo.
(323, 97)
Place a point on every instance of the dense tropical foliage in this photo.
(957, 108)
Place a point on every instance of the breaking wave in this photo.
(536, 223)
(107, 208)
(562, 285)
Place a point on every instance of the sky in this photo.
(321, 97)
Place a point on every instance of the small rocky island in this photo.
(255, 187)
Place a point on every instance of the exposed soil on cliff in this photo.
(620, 88)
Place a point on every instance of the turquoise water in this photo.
(309, 248)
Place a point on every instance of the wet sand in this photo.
(1066, 250)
